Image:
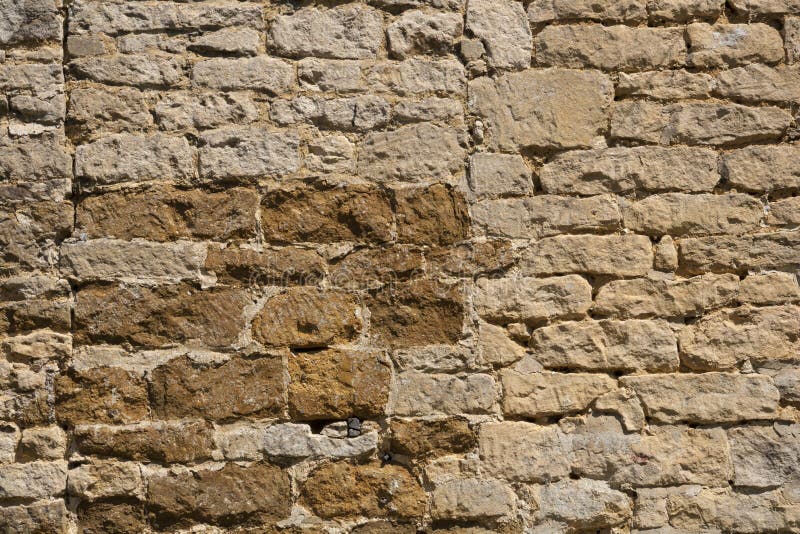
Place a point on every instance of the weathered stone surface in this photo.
(292, 441)
(419, 312)
(724, 339)
(607, 346)
(253, 268)
(100, 517)
(373, 268)
(623, 403)
(546, 215)
(229, 41)
(348, 31)
(42, 443)
(763, 168)
(434, 215)
(247, 154)
(158, 316)
(105, 479)
(791, 37)
(758, 83)
(666, 85)
(765, 456)
(130, 158)
(765, 7)
(417, 393)
(622, 48)
(627, 170)
(665, 255)
(136, 70)
(784, 212)
(183, 388)
(30, 21)
(752, 252)
(232, 495)
(342, 490)
(437, 358)
(471, 498)
(164, 214)
(181, 111)
(358, 113)
(666, 297)
(331, 154)
(337, 384)
(769, 288)
(261, 73)
(433, 108)
(548, 394)
(531, 299)
(697, 123)
(502, 27)
(581, 504)
(112, 18)
(624, 255)
(35, 480)
(498, 175)
(430, 438)
(683, 10)
(307, 317)
(523, 452)
(114, 110)
(420, 32)
(705, 398)
(732, 45)
(161, 441)
(132, 261)
(343, 76)
(495, 346)
(680, 214)
(631, 11)
(415, 153)
(418, 76)
(42, 517)
(100, 395)
(533, 109)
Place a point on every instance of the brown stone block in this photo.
(322, 214)
(419, 312)
(111, 518)
(344, 490)
(434, 215)
(305, 317)
(280, 267)
(239, 387)
(423, 438)
(234, 495)
(165, 214)
(157, 316)
(336, 384)
(100, 395)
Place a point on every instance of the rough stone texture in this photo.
(399, 266)
(531, 109)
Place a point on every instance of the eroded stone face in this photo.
(399, 266)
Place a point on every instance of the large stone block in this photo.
(542, 109)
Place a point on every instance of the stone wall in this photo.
(397, 266)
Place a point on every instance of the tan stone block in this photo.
(724, 339)
(763, 168)
(416, 394)
(542, 109)
(617, 255)
(705, 398)
(609, 345)
(532, 300)
(666, 297)
(732, 45)
(624, 48)
(435, 215)
(548, 394)
(752, 252)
